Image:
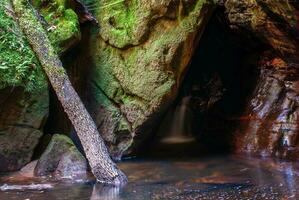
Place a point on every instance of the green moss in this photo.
(18, 64)
(140, 58)
(63, 23)
(120, 19)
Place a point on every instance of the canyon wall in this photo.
(269, 126)
(128, 64)
(24, 94)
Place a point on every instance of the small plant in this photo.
(18, 64)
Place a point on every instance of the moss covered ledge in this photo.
(61, 22)
(18, 64)
(24, 98)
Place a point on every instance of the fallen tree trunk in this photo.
(103, 168)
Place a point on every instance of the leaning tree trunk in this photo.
(97, 154)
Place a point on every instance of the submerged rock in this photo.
(61, 159)
(140, 57)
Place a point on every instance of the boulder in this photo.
(139, 59)
(71, 164)
(61, 159)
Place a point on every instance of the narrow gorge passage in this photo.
(194, 99)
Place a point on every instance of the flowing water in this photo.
(177, 123)
(206, 178)
(176, 168)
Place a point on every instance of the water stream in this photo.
(206, 178)
(170, 172)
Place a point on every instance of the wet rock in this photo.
(28, 170)
(71, 164)
(61, 159)
(270, 125)
(140, 57)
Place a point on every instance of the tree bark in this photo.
(103, 168)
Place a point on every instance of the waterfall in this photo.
(179, 125)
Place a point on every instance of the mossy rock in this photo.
(61, 23)
(23, 94)
(18, 64)
(61, 158)
(24, 98)
(141, 54)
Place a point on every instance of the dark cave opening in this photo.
(220, 78)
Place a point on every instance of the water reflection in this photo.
(290, 181)
(210, 178)
(105, 192)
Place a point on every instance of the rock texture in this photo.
(140, 54)
(24, 97)
(270, 125)
(21, 117)
(61, 22)
(61, 159)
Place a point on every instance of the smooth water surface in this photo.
(206, 178)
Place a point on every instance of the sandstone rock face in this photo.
(273, 22)
(62, 159)
(23, 95)
(24, 91)
(271, 125)
(21, 117)
(140, 55)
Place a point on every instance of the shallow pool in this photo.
(206, 178)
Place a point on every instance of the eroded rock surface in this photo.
(140, 55)
(270, 126)
(21, 117)
(24, 91)
(23, 95)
